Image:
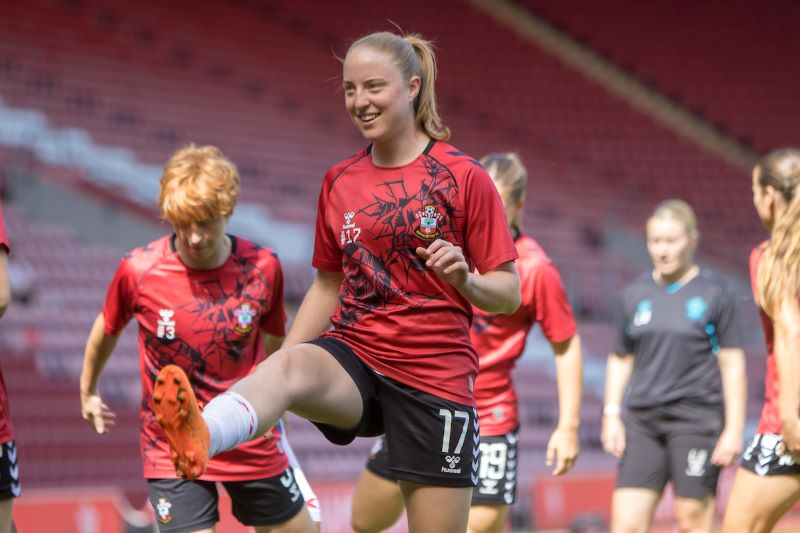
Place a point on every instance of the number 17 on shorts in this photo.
(430, 440)
(456, 433)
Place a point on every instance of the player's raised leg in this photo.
(304, 379)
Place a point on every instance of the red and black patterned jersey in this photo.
(770, 414)
(394, 312)
(6, 431)
(500, 339)
(209, 322)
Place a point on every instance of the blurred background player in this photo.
(211, 303)
(676, 333)
(410, 232)
(500, 341)
(767, 484)
(9, 469)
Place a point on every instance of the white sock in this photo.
(231, 420)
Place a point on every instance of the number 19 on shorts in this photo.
(493, 460)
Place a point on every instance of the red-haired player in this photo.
(211, 303)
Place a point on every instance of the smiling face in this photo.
(377, 97)
(670, 245)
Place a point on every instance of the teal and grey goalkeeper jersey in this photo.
(675, 333)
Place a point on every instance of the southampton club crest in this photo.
(163, 509)
(244, 319)
(429, 219)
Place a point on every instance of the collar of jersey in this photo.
(675, 286)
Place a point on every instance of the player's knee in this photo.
(281, 368)
(365, 519)
(623, 526)
(363, 524)
(742, 522)
(299, 523)
(486, 519)
(358, 527)
(629, 524)
(689, 525)
(693, 518)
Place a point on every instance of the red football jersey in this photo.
(209, 322)
(6, 431)
(770, 414)
(500, 339)
(394, 312)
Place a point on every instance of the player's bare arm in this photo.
(618, 373)
(5, 285)
(787, 355)
(314, 315)
(563, 446)
(734, 390)
(99, 348)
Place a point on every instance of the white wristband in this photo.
(612, 410)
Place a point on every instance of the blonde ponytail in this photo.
(778, 274)
(425, 111)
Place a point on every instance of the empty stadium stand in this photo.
(713, 57)
(595, 163)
